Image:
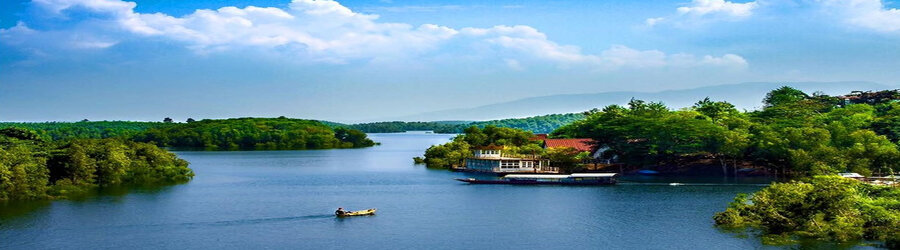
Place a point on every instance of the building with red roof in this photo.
(581, 144)
(539, 137)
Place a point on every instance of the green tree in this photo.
(828, 208)
(784, 95)
(565, 158)
(715, 110)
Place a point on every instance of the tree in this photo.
(167, 120)
(734, 145)
(452, 154)
(784, 95)
(189, 120)
(565, 158)
(715, 110)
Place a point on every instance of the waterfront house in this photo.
(492, 159)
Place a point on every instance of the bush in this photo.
(828, 208)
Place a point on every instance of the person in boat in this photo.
(340, 211)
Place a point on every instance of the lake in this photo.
(285, 199)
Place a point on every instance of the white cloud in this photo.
(654, 20)
(326, 31)
(870, 14)
(414, 8)
(621, 56)
(699, 10)
(720, 7)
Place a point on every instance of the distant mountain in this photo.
(744, 96)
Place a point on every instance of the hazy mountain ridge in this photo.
(744, 96)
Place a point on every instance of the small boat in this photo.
(549, 179)
(358, 213)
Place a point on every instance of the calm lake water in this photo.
(285, 199)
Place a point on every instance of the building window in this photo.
(509, 164)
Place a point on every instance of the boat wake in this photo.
(259, 221)
(217, 223)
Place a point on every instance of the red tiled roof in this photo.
(579, 144)
(539, 137)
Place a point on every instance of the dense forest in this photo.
(795, 133)
(34, 168)
(228, 134)
(255, 134)
(399, 127)
(268, 133)
(536, 124)
(830, 208)
(86, 129)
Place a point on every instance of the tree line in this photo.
(227, 134)
(86, 129)
(794, 134)
(255, 134)
(536, 124)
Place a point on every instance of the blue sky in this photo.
(366, 60)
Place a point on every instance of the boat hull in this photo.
(538, 182)
(358, 213)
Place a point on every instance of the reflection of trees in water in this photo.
(11, 210)
(14, 209)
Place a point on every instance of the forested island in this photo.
(33, 168)
(808, 138)
(59, 160)
(255, 134)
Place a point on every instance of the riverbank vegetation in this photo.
(827, 208)
(32, 168)
(794, 134)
